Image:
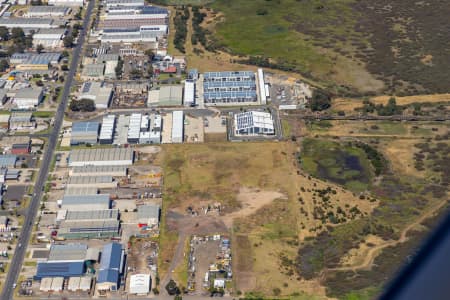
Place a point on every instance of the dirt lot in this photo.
(256, 187)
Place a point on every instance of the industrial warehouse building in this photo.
(95, 223)
(8, 160)
(111, 267)
(177, 126)
(49, 38)
(66, 2)
(144, 129)
(147, 33)
(101, 157)
(133, 17)
(125, 3)
(28, 98)
(80, 284)
(189, 93)
(107, 130)
(93, 71)
(229, 88)
(140, 284)
(86, 202)
(166, 95)
(95, 229)
(116, 171)
(63, 261)
(253, 123)
(148, 215)
(47, 11)
(28, 23)
(98, 92)
(98, 181)
(84, 133)
(80, 190)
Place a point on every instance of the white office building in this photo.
(253, 123)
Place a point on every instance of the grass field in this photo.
(354, 46)
(209, 173)
(339, 163)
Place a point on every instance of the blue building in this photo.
(59, 269)
(229, 87)
(111, 267)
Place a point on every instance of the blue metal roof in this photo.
(108, 276)
(59, 269)
(229, 84)
(8, 160)
(85, 127)
(153, 10)
(110, 263)
(231, 95)
(111, 256)
(228, 74)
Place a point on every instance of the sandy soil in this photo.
(251, 200)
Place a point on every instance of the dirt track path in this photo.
(176, 260)
(373, 252)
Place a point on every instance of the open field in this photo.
(412, 190)
(354, 46)
(349, 105)
(263, 201)
(345, 128)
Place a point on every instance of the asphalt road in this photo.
(22, 243)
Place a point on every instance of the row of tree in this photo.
(180, 20)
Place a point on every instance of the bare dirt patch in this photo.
(251, 200)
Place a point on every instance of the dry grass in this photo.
(349, 105)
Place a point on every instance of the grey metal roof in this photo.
(148, 211)
(90, 179)
(104, 214)
(7, 160)
(81, 190)
(86, 199)
(85, 127)
(90, 226)
(30, 92)
(99, 169)
(67, 252)
(48, 9)
(109, 154)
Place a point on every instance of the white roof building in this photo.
(66, 2)
(97, 92)
(177, 126)
(189, 93)
(253, 123)
(140, 284)
(28, 98)
(46, 11)
(101, 157)
(49, 38)
(107, 129)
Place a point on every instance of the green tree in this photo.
(3, 65)
(68, 41)
(172, 288)
(4, 33)
(17, 34)
(320, 100)
(84, 105)
(39, 48)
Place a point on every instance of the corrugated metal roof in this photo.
(85, 127)
(111, 256)
(86, 199)
(68, 252)
(59, 269)
(148, 211)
